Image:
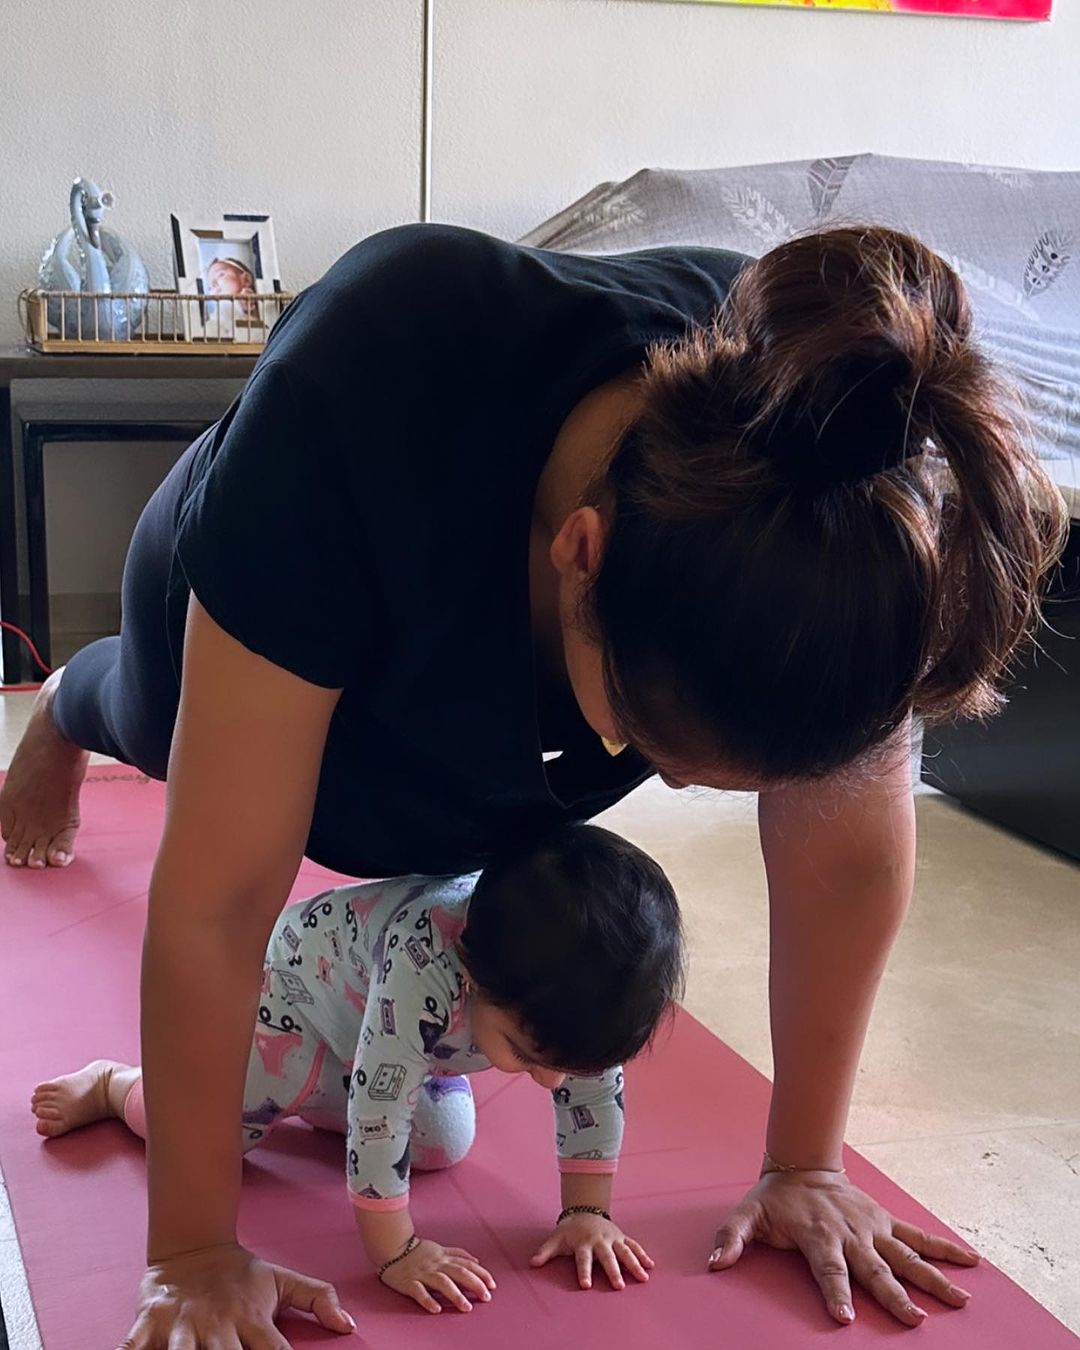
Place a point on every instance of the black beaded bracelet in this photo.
(411, 1245)
(582, 1209)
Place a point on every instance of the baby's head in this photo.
(229, 276)
(574, 948)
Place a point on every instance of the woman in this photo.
(478, 501)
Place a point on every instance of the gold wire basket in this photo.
(149, 322)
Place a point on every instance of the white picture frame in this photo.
(225, 259)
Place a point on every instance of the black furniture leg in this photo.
(37, 432)
(36, 539)
(10, 605)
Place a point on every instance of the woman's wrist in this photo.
(769, 1164)
(811, 1140)
(160, 1258)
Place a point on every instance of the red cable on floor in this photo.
(23, 688)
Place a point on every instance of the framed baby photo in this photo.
(230, 263)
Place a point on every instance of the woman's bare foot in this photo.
(94, 1093)
(39, 802)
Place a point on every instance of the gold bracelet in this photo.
(769, 1164)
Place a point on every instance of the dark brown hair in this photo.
(578, 934)
(826, 515)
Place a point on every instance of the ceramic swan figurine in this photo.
(103, 262)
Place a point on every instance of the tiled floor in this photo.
(969, 1090)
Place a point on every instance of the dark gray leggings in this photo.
(119, 696)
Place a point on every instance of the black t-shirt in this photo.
(361, 517)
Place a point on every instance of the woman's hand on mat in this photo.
(843, 1233)
(224, 1296)
(588, 1238)
(431, 1269)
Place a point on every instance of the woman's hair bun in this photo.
(855, 419)
(747, 621)
(845, 335)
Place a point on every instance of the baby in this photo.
(229, 276)
(377, 999)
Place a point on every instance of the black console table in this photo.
(93, 423)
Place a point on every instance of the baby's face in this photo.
(224, 279)
(502, 1039)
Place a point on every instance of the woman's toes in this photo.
(36, 856)
(15, 853)
(12, 843)
(61, 852)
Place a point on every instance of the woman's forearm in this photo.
(824, 972)
(200, 990)
(838, 893)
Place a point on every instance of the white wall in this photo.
(537, 100)
(306, 110)
(311, 109)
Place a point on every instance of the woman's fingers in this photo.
(908, 1265)
(443, 1284)
(262, 1338)
(830, 1270)
(626, 1254)
(226, 1340)
(418, 1292)
(315, 1297)
(610, 1262)
(583, 1260)
(183, 1338)
(731, 1238)
(876, 1277)
(139, 1337)
(933, 1246)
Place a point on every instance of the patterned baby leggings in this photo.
(293, 1072)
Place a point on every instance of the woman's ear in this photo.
(579, 545)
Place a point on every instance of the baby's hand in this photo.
(588, 1236)
(431, 1269)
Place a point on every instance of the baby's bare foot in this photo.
(76, 1099)
(39, 801)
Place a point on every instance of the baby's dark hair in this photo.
(579, 936)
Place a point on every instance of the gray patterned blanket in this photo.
(1013, 235)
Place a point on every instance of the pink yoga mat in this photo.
(695, 1116)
